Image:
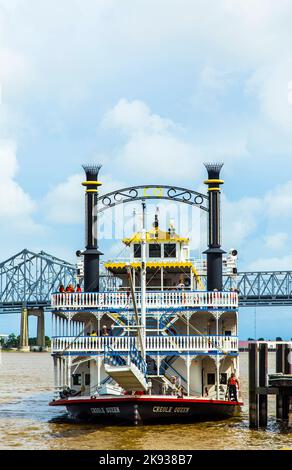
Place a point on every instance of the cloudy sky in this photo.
(151, 89)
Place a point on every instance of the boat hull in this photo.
(147, 409)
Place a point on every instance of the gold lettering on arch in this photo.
(158, 192)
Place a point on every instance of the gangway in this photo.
(129, 372)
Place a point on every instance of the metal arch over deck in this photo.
(151, 191)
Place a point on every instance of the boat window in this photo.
(154, 250)
(137, 250)
(169, 250)
(76, 379)
(223, 378)
(211, 379)
(228, 333)
(87, 379)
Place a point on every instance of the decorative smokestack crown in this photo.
(214, 169)
(91, 170)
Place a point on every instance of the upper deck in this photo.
(155, 300)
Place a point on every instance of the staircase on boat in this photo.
(128, 371)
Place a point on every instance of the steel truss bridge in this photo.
(28, 279)
(262, 288)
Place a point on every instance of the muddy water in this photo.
(27, 422)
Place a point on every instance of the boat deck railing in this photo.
(124, 344)
(155, 300)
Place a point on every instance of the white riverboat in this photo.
(160, 347)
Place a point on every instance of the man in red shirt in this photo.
(233, 385)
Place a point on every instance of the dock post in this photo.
(290, 414)
(279, 368)
(289, 363)
(263, 373)
(287, 370)
(253, 382)
(287, 359)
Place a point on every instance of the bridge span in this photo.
(262, 288)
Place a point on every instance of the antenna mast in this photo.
(143, 281)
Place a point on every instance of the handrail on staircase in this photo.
(113, 357)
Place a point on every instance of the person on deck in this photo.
(104, 331)
(61, 288)
(233, 386)
(70, 288)
(181, 286)
(78, 288)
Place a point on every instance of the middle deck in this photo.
(160, 300)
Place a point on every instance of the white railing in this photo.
(154, 300)
(153, 343)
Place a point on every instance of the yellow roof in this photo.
(156, 235)
(116, 267)
(150, 264)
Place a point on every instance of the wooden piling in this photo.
(287, 370)
(253, 383)
(290, 414)
(279, 368)
(287, 359)
(263, 374)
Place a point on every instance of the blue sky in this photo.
(151, 89)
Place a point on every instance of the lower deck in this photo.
(195, 374)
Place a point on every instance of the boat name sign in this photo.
(99, 411)
(170, 409)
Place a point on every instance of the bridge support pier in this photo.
(24, 330)
(41, 329)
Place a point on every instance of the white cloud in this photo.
(279, 201)
(135, 116)
(272, 264)
(241, 219)
(154, 146)
(16, 204)
(15, 70)
(271, 86)
(161, 157)
(64, 204)
(276, 241)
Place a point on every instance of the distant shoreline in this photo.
(14, 350)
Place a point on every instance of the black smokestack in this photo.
(214, 252)
(91, 253)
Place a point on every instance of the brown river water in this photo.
(27, 422)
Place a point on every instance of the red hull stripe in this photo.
(142, 399)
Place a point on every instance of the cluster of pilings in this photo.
(259, 387)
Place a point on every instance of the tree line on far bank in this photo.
(263, 339)
(13, 341)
